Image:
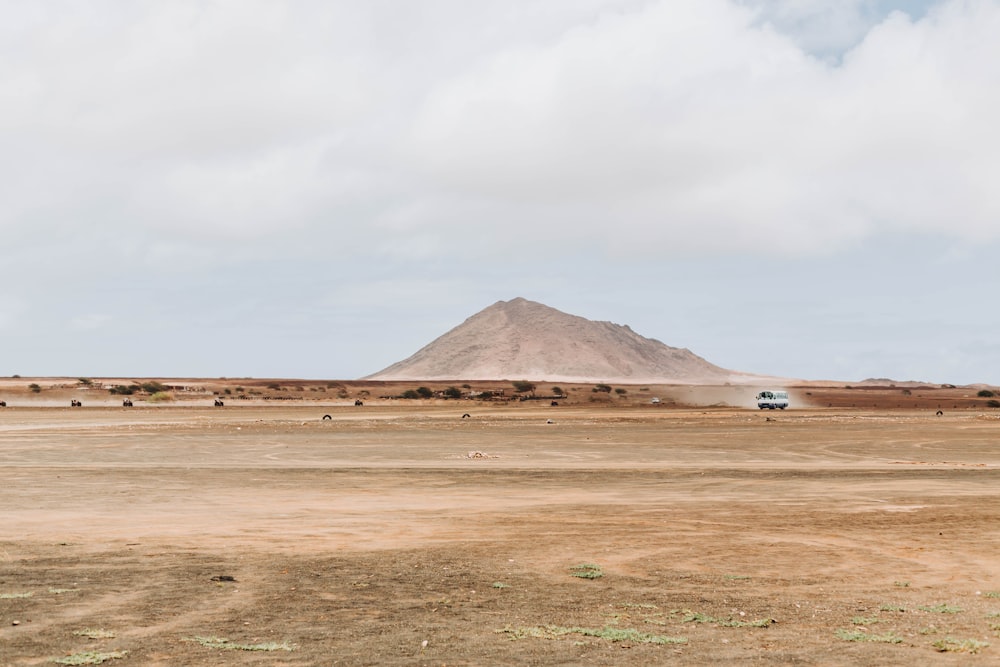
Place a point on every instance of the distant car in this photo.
(655, 400)
(772, 400)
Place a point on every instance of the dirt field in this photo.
(819, 536)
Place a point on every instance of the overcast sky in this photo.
(316, 189)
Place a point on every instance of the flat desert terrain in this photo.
(853, 532)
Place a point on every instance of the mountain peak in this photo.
(522, 339)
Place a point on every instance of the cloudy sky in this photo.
(806, 188)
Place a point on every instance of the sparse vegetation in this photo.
(225, 645)
(993, 403)
(123, 390)
(859, 636)
(90, 657)
(605, 388)
(410, 394)
(86, 382)
(607, 633)
(941, 609)
(424, 392)
(621, 391)
(453, 392)
(985, 393)
(557, 391)
(586, 571)
(152, 387)
(950, 645)
(728, 622)
(161, 397)
(15, 596)
(35, 388)
(95, 633)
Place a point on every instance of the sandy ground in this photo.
(813, 536)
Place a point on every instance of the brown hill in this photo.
(522, 339)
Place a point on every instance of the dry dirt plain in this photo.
(819, 536)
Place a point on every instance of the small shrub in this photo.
(152, 387)
(586, 571)
(858, 636)
(523, 387)
(557, 391)
(453, 392)
(409, 393)
(620, 391)
(161, 397)
(35, 388)
(424, 392)
(87, 382)
(985, 393)
(605, 388)
(950, 645)
(993, 403)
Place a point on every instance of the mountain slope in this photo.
(521, 339)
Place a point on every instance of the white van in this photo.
(772, 400)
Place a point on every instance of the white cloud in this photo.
(156, 149)
(89, 322)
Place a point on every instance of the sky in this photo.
(317, 189)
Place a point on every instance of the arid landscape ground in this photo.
(858, 527)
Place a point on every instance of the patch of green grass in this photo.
(941, 609)
(991, 594)
(15, 596)
(500, 584)
(606, 633)
(586, 571)
(735, 577)
(864, 620)
(89, 658)
(901, 584)
(891, 607)
(697, 617)
(95, 633)
(950, 645)
(224, 644)
(858, 636)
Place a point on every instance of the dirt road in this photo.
(408, 535)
